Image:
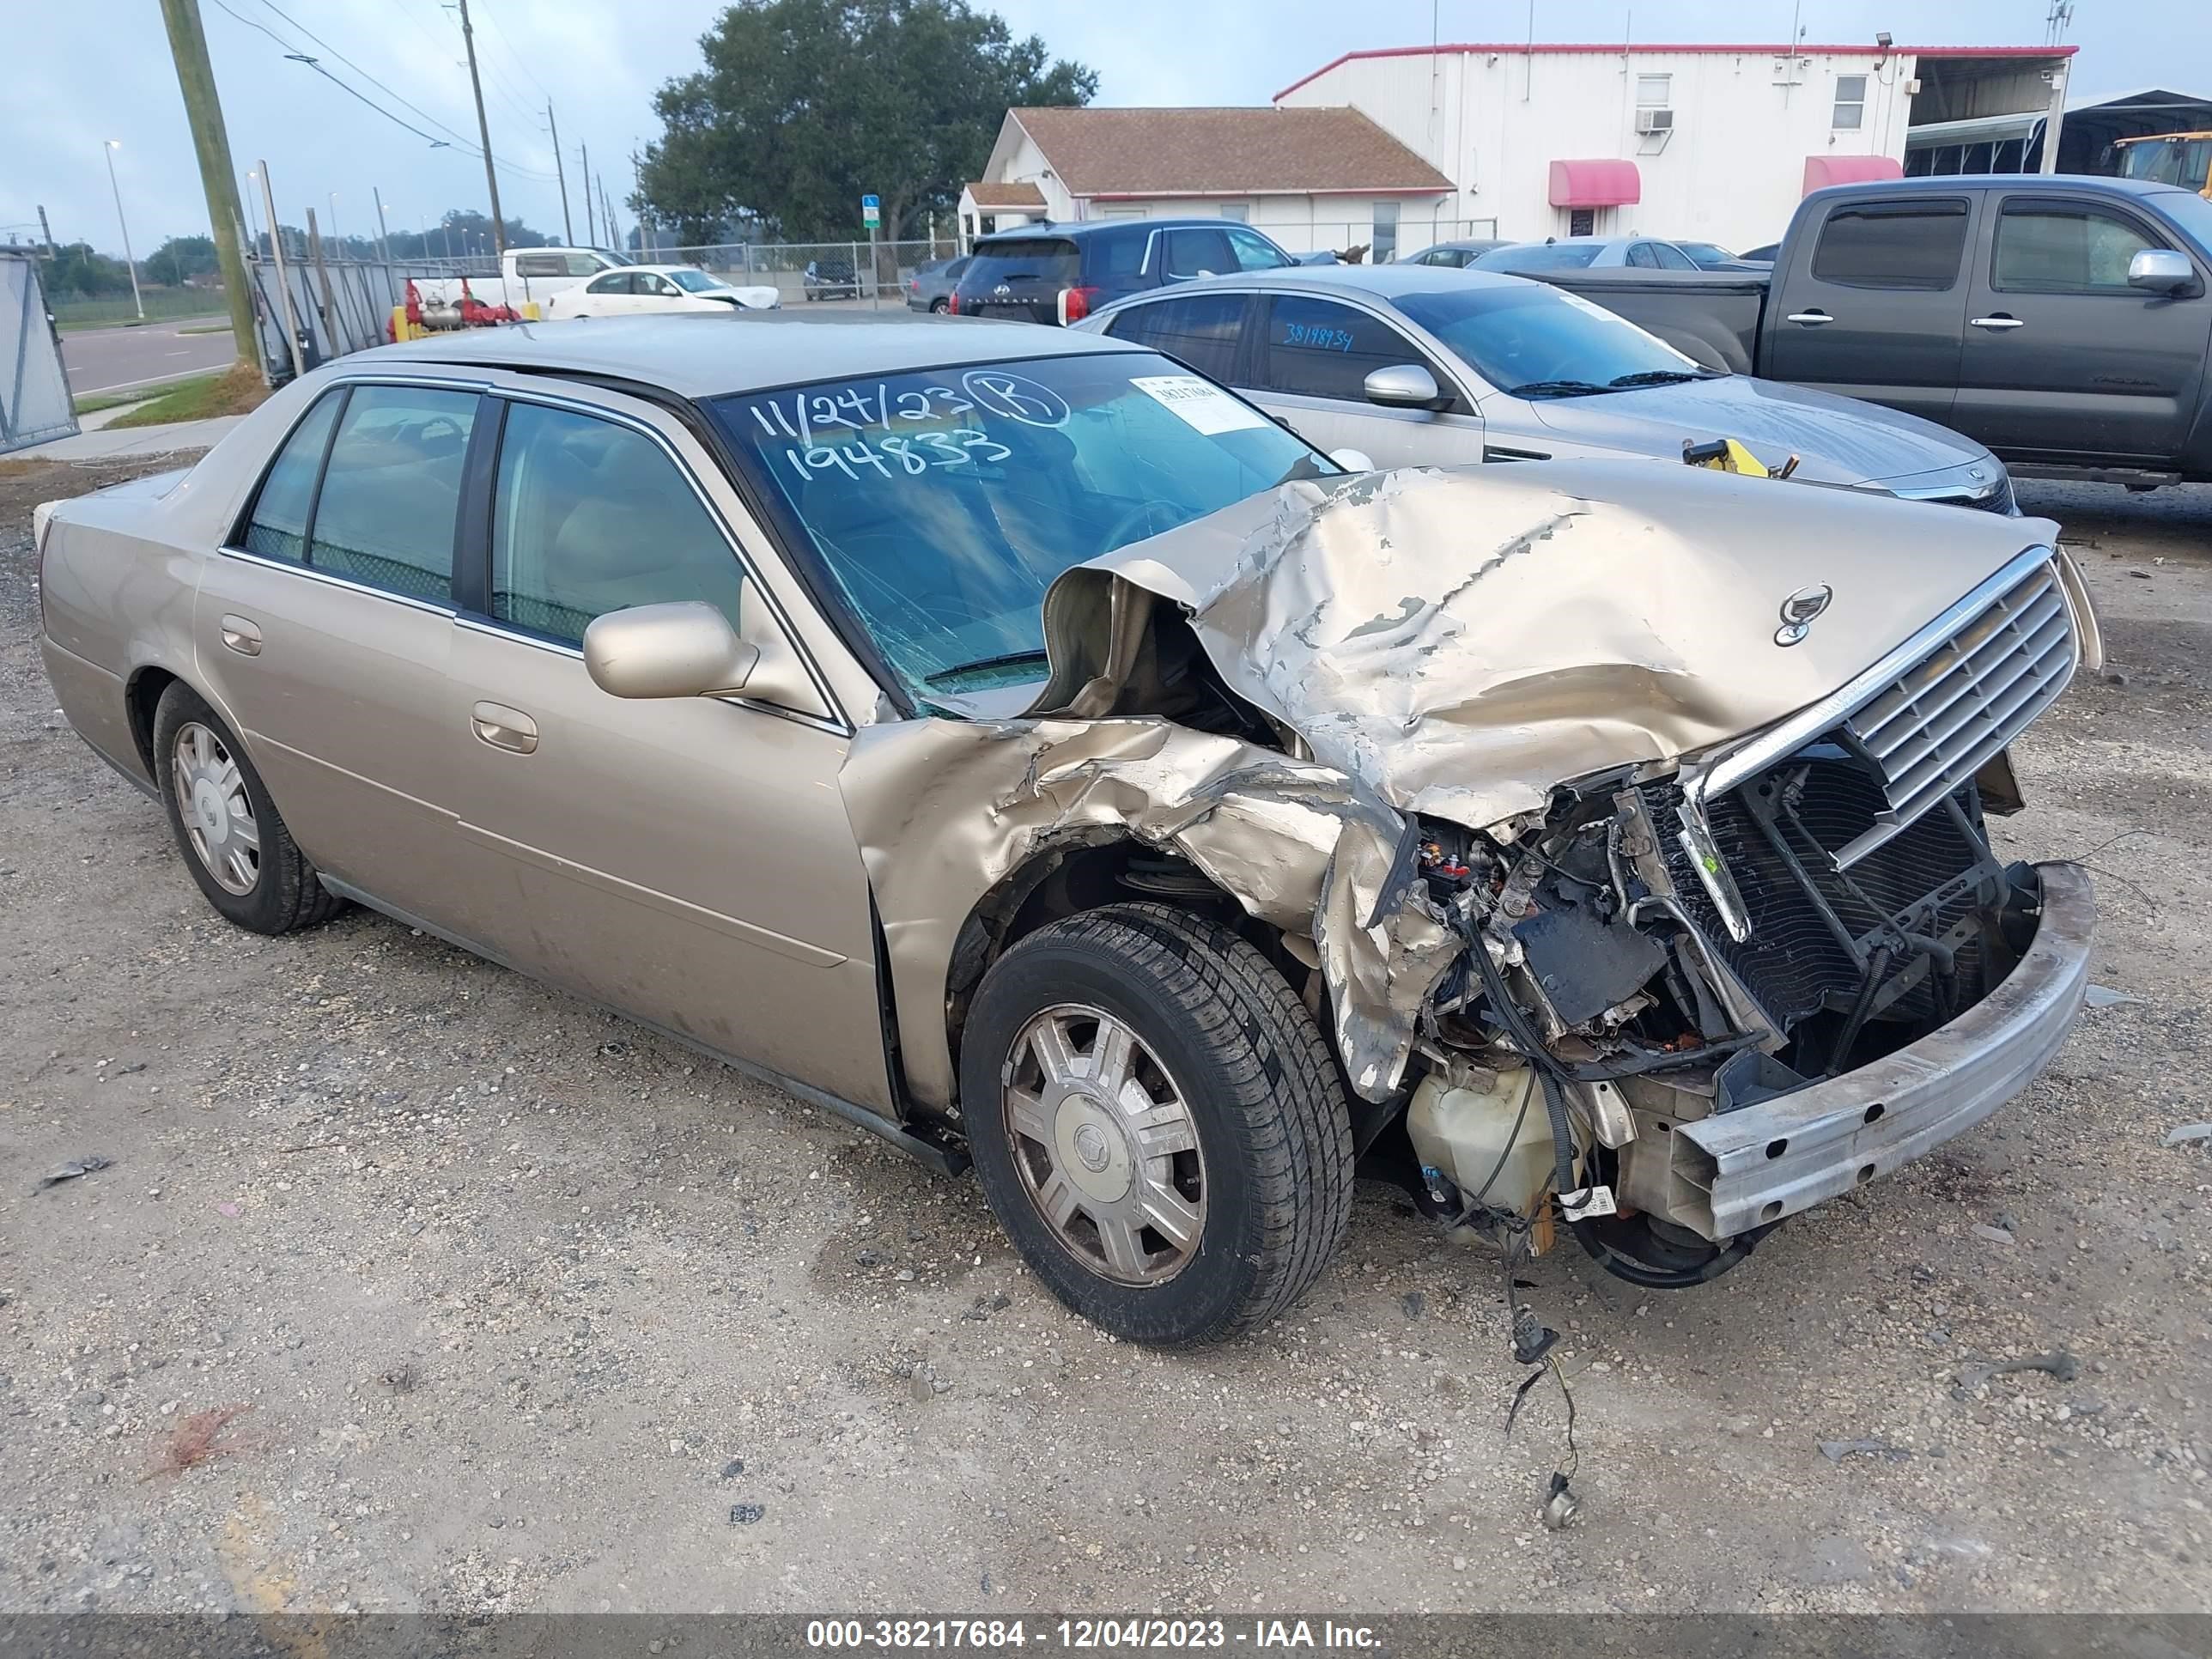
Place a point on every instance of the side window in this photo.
(1668, 257)
(1850, 112)
(1893, 245)
(393, 490)
(1643, 253)
(1198, 253)
(580, 264)
(2059, 248)
(542, 264)
(659, 287)
(1201, 328)
(616, 282)
(590, 517)
(1319, 348)
(1255, 252)
(278, 527)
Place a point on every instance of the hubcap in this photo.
(1104, 1145)
(212, 802)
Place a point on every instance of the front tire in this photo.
(233, 840)
(1157, 1123)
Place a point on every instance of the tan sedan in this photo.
(1012, 741)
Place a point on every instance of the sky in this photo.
(95, 70)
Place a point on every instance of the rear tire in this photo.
(232, 838)
(937, 307)
(1196, 1191)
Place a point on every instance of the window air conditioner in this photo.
(1649, 121)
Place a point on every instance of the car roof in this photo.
(1352, 282)
(1940, 182)
(698, 356)
(1102, 228)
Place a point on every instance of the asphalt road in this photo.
(112, 359)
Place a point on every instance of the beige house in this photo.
(1321, 178)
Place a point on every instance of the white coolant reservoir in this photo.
(1469, 1135)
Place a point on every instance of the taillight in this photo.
(1075, 303)
(952, 304)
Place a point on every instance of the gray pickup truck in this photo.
(2062, 321)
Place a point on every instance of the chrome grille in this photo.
(1931, 731)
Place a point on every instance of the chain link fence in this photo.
(34, 395)
(801, 271)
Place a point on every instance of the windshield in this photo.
(1706, 253)
(2184, 161)
(944, 504)
(1025, 263)
(1538, 256)
(697, 281)
(1526, 338)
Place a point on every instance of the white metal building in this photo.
(1706, 142)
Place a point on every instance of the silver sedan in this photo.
(1419, 367)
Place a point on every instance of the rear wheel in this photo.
(1157, 1121)
(234, 842)
(937, 307)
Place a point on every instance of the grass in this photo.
(207, 328)
(93, 402)
(232, 391)
(162, 305)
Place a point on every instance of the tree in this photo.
(77, 270)
(179, 260)
(805, 106)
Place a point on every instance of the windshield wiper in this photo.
(982, 664)
(1663, 377)
(1556, 389)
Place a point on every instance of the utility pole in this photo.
(567, 230)
(47, 231)
(218, 178)
(112, 146)
(591, 228)
(484, 131)
(383, 234)
(607, 207)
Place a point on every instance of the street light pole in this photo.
(335, 238)
(484, 131)
(115, 144)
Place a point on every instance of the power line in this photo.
(514, 52)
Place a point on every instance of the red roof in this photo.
(1107, 155)
(1754, 50)
(1596, 184)
(1821, 171)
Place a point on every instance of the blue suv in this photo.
(1051, 273)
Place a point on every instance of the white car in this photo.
(635, 288)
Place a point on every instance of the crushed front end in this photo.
(1698, 999)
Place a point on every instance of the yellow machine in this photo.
(1727, 455)
(2169, 158)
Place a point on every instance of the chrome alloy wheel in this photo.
(215, 810)
(1104, 1145)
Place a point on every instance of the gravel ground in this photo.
(500, 1302)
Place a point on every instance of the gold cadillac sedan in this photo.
(1012, 741)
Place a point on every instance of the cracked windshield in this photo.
(943, 503)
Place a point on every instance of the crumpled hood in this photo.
(1462, 643)
(1837, 440)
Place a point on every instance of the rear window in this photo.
(1893, 245)
(1030, 262)
(1564, 256)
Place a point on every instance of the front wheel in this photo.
(1157, 1123)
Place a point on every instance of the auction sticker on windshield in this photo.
(1199, 404)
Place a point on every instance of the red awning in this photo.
(1821, 171)
(1594, 184)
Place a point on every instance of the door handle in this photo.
(1811, 319)
(240, 635)
(503, 727)
(1999, 321)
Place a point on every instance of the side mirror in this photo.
(1352, 460)
(684, 649)
(2160, 270)
(1403, 385)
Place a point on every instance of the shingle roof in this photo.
(987, 194)
(1214, 152)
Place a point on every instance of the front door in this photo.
(1872, 304)
(2064, 361)
(687, 860)
(323, 634)
(1310, 366)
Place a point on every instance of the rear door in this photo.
(1201, 328)
(1874, 302)
(1195, 250)
(2063, 361)
(323, 633)
(1310, 365)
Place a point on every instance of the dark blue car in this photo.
(1049, 273)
